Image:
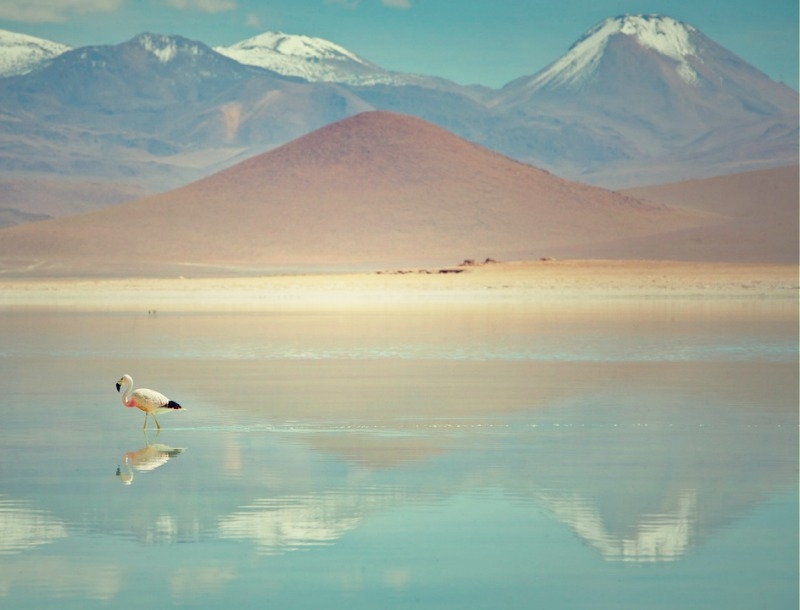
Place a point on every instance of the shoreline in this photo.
(519, 282)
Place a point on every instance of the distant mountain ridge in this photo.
(639, 99)
(148, 70)
(136, 108)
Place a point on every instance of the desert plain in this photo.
(566, 283)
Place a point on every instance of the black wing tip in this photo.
(173, 405)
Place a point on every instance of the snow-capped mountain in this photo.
(20, 53)
(313, 59)
(664, 35)
(637, 51)
(644, 90)
(319, 60)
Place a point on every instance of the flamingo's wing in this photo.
(149, 399)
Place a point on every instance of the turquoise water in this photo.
(499, 458)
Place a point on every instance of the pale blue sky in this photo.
(469, 41)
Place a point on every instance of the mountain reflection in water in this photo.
(455, 479)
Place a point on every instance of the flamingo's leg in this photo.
(145, 420)
(157, 424)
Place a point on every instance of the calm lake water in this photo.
(619, 455)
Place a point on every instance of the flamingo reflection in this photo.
(149, 457)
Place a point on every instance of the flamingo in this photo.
(149, 401)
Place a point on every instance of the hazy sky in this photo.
(469, 41)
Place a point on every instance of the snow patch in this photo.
(663, 34)
(20, 53)
(164, 49)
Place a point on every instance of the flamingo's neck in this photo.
(126, 395)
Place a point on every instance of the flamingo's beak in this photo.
(117, 387)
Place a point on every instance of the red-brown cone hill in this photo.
(377, 188)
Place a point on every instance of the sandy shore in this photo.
(518, 282)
